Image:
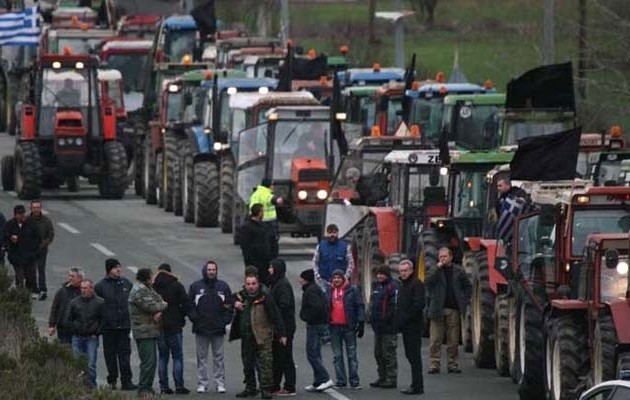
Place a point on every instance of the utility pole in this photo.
(548, 30)
(284, 21)
(399, 37)
(582, 51)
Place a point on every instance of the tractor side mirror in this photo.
(502, 266)
(612, 258)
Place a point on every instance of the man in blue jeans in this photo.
(85, 319)
(347, 316)
(314, 312)
(171, 323)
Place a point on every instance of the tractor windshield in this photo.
(131, 67)
(78, 45)
(360, 114)
(394, 113)
(614, 281)
(422, 190)
(299, 139)
(427, 114)
(517, 130)
(475, 127)
(173, 103)
(470, 194)
(609, 172)
(356, 168)
(194, 111)
(179, 43)
(587, 221)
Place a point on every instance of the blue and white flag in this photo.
(20, 28)
(511, 207)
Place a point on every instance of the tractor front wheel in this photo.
(482, 305)
(530, 350)
(138, 162)
(226, 196)
(568, 360)
(501, 335)
(604, 342)
(113, 182)
(370, 256)
(148, 172)
(206, 194)
(28, 171)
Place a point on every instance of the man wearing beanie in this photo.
(114, 289)
(315, 313)
(383, 306)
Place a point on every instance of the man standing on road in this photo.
(283, 364)
(449, 293)
(382, 314)
(264, 195)
(115, 289)
(409, 311)
(332, 254)
(347, 316)
(145, 310)
(61, 304)
(47, 235)
(85, 319)
(255, 243)
(315, 313)
(173, 320)
(210, 313)
(22, 241)
(256, 323)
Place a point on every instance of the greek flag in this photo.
(511, 207)
(20, 28)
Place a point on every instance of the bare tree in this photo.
(371, 17)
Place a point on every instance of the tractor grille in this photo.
(312, 175)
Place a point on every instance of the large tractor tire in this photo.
(148, 172)
(568, 361)
(604, 342)
(429, 247)
(138, 162)
(28, 171)
(501, 362)
(159, 179)
(226, 196)
(188, 184)
(178, 198)
(238, 218)
(113, 182)
(370, 256)
(171, 158)
(206, 194)
(530, 350)
(469, 263)
(482, 305)
(513, 358)
(8, 173)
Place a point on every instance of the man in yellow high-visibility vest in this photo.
(264, 195)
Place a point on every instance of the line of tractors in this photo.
(402, 166)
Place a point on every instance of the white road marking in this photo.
(12, 194)
(103, 249)
(69, 228)
(133, 269)
(335, 394)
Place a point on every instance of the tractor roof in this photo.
(242, 83)
(180, 22)
(129, 21)
(272, 99)
(337, 61)
(366, 76)
(127, 44)
(82, 33)
(431, 90)
(391, 88)
(388, 143)
(360, 91)
(109, 75)
(248, 41)
(484, 99)
(484, 157)
(418, 157)
(556, 192)
(200, 75)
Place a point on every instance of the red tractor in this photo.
(68, 132)
(587, 338)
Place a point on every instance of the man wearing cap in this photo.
(382, 314)
(115, 289)
(332, 254)
(264, 195)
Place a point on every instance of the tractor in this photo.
(601, 155)
(358, 104)
(587, 336)
(67, 132)
(73, 31)
(374, 76)
(138, 26)
(228, 50)
(177, 36)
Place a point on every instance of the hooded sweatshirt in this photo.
(174, 293)
(282, 293)
(210, 305)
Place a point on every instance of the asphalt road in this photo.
(89, 230)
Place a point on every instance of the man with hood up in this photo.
(210, 312)
(283, 364)
(171, 323)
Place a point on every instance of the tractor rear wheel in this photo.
(148, 172)
(113, 180)
(501, 335)
(159, 179)
(568, 359)
(170, 159)
(605, 340)
(188, 184)
(138, 162)
(530, 350)
(482, 305)
(429, 246)
(28, 171)
(469, 263)
(8, 173)
(226, 196)
(370, 256)
(178, 198)
(206, 194)
(513, 358)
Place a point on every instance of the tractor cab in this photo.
(79, 40)
(111, 85)
(601, 155)
(359, 105)
(74, 18)
(519, 124)
(177, 37)
(138, 26)
(388, 107)
(257, 61)
(229, 50)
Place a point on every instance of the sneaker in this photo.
(310, 388)
(202, 389)
(434, 370)
(167, 391)
(339, 386)
(454, 370)
(34, 296)
(324, 386)
(376, 384)
(42, 296)
(265, 394)
(182, 390)
(284, 393)
(221, 389)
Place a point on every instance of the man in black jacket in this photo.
(85, 319)
(210, 312)
(255, 244)
(315, 313)
(47, 235)
(408, 321)
(22, 241)
(382, 318)
(283, 363)
(61, 304)
(172, 321)
(115, 289)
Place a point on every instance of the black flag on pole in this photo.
(546, 157)
(549, 86)
(205, 17)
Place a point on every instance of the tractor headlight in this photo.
(322, 194)
(302, 195)
(62, 142)
(217, 146)
(78, 141)
(622, 268)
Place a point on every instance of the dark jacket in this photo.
(265, 319)
(353, 305)
(255, 244)
(410, 305)
(26, 249)
(282, 293)
(46, 230)
(315, 310)
(210, 305)
(60, 307)
(436, 287)
(383, 307)
(115, 292)
(174, 293)
(85, 317)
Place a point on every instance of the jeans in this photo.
(218, 366)
(283, 364)
(87, 345)
(314, 335)
(448, 324)
(340, 334)
(40, 266)
(117, 351)
(147, 351)
(171, 344)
